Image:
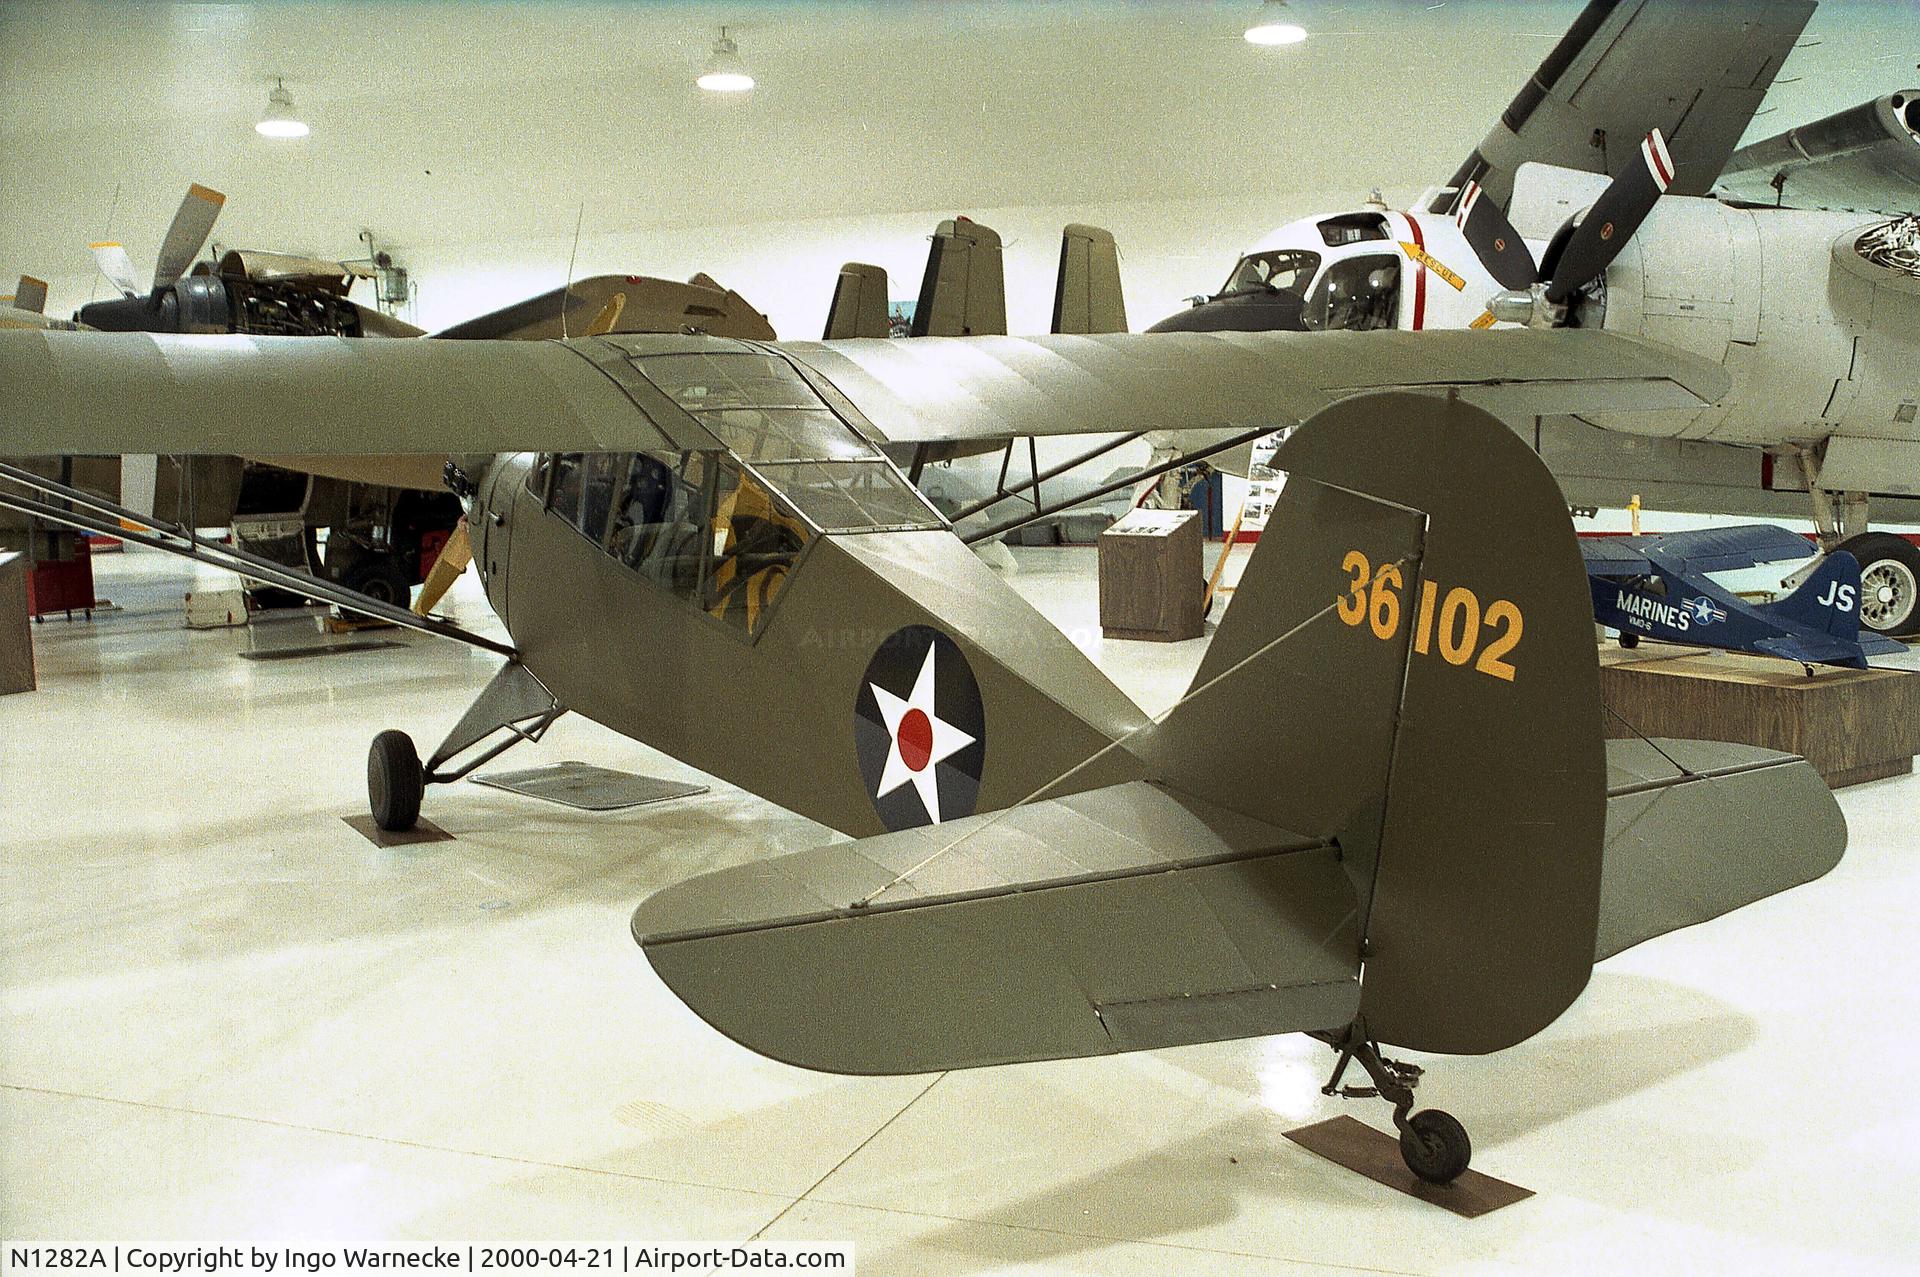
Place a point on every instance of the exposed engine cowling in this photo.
(1822, 341)
(224, 304)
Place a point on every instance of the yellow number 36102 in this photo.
(1457, 622)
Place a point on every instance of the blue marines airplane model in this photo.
(1658, 587)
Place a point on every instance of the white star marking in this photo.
(947, 740)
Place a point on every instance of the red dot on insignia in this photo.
(916, 739)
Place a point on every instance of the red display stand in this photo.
(64, 587)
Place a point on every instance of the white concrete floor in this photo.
(224, 1015)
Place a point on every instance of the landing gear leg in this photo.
(514, 704)
(1433, 1144)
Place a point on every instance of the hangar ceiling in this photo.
(440, 122)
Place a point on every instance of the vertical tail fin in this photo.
(1442, 724)
(1086, 296)
(1827, 601)
(859, 306)
(963, 293)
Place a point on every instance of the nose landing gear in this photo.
(1433, 1144)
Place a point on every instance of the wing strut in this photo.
(89, 513)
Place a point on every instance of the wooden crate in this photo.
(1152, 577)
(1852, 725)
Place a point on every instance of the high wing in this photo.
(292, 396)
(1121, 919)
(1724, 549)
(1695, 69)
(1865, 159)
(1614, 556)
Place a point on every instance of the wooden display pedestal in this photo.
(1152, 577)
(1852, 725)
(16, 638)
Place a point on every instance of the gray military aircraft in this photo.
(1794, 262)
(710, 551)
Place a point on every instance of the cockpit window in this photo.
(703, 382)
(1358, 294)
(1283, 270)
(660, 520)
(786, 434)
(773, 420)
(697, 524)
(1352, 228)
(723, 525)
(756, 542)
(861, 494)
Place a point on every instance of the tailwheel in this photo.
(395, 781)
(1435, 1146)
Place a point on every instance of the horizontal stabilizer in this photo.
(1120, 919)
(1741, 824)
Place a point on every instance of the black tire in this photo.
(1435, 1146)
(1889, 582)
(1629, 640)
(380, 577)
(394, 782)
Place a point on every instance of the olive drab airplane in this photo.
(700, 542)
(1793, 262)
(705, 543)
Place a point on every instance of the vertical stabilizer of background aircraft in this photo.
(859, 306)
(964, 292)
(1087, 297)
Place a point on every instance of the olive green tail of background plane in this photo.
(1383, 812)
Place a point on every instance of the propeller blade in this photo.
(609, 316)
(454, 557)
(1613, 219)
(30, 294)
(1494, 241)
(114, 263)
(188, 234)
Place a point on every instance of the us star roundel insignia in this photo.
(919, 730)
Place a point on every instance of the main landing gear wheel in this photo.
(1889, 582)
(379, 577)
(1435, 1146)
(395, 782)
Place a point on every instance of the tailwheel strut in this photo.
(1433, 1144)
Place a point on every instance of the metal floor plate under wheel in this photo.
(587, 787)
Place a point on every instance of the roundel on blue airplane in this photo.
(919, 729)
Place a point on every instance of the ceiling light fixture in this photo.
(280, 121)
(1275, 25)
(725, 72)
